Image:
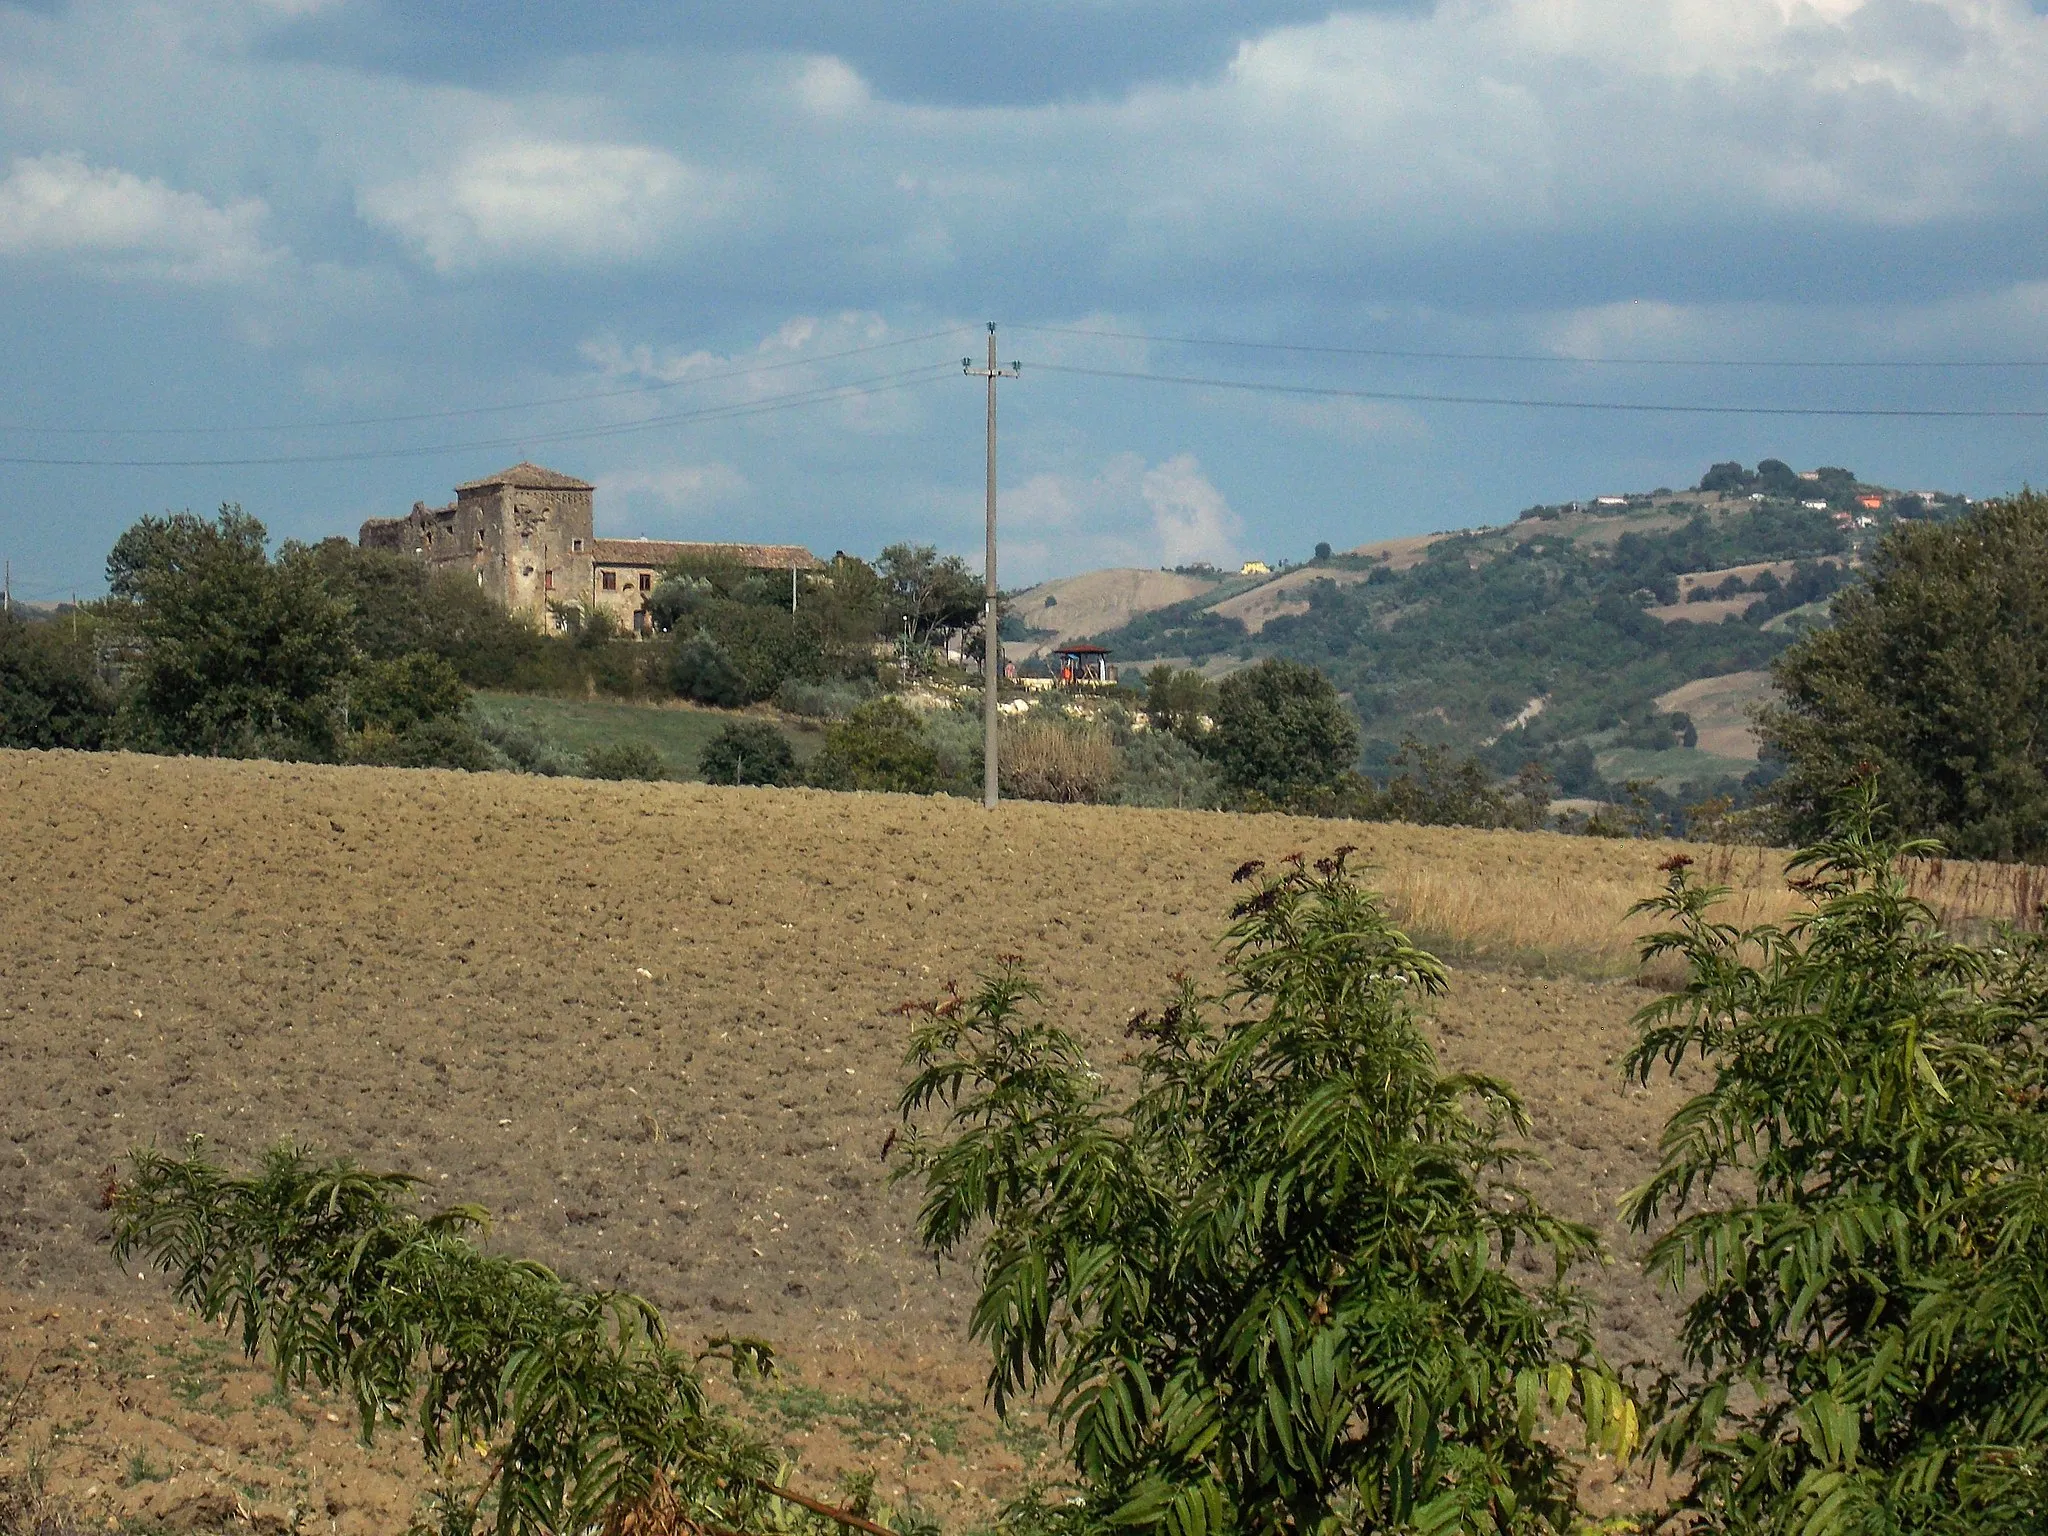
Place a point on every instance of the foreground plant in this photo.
(1866, 1189)
(1270, 1292)
(589, 1419)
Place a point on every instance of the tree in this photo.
(747, 752)
(930, 591)
(1269, 1293)
(398, 606)
(50, 694)
(1322, 549)
(1177, 699)
(238, 654)
(591, 1418)
(1862, 1207)
(1281, 730)
(880, 746)
(1935, 674)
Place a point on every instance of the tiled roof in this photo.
(659, 552)
(527, 476)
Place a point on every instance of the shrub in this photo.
(1161, 770)
(701, 670)
(404, 691)
(624, 760)
(1040, 758)
(524, 747)
(818, 701)
(1864, 1190)
(597, 1421)
(50, 696)
(879, 746)
(957, 738)
(443, 742)
(1271, 1291)
(747, 752)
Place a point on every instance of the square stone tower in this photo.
(526, 533)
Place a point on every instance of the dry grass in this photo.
(1559, 904)
(1052, 760)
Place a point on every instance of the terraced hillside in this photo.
(1560, 636)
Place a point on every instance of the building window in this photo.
(551, 581)
(611, 581)
(576, 546)
(526, 570)
(479, 538)
(647, 581)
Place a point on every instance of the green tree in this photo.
(880, 746)
(239, 654)
(50, 693)
(1269, 1293)
(747, 752)
(930, 590)
(1862, 1208)
(398, 606)
(1281, 730)
(1934, 672)
(1177, 699)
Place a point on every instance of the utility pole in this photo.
(991, 646)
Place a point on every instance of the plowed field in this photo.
(650, 1026)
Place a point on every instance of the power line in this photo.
(483, 410)
(1531, 357)
(824, 394)
(1420, 398)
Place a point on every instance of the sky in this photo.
(326, 258)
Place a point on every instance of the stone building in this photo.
(526, 533)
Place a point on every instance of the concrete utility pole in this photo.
(991, 646)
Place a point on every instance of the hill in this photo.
(1570, 635)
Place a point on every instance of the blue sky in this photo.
(611, 237)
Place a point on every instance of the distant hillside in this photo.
(1582, 635)
(1074, 607)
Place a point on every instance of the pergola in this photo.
(1082, 666)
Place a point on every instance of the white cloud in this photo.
(553, 202)
(58, 205)
(676, 490)
(1126, 513)
(1190, 519)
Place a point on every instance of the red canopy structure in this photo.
(1082, 666)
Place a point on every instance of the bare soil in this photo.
(651, 1027)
